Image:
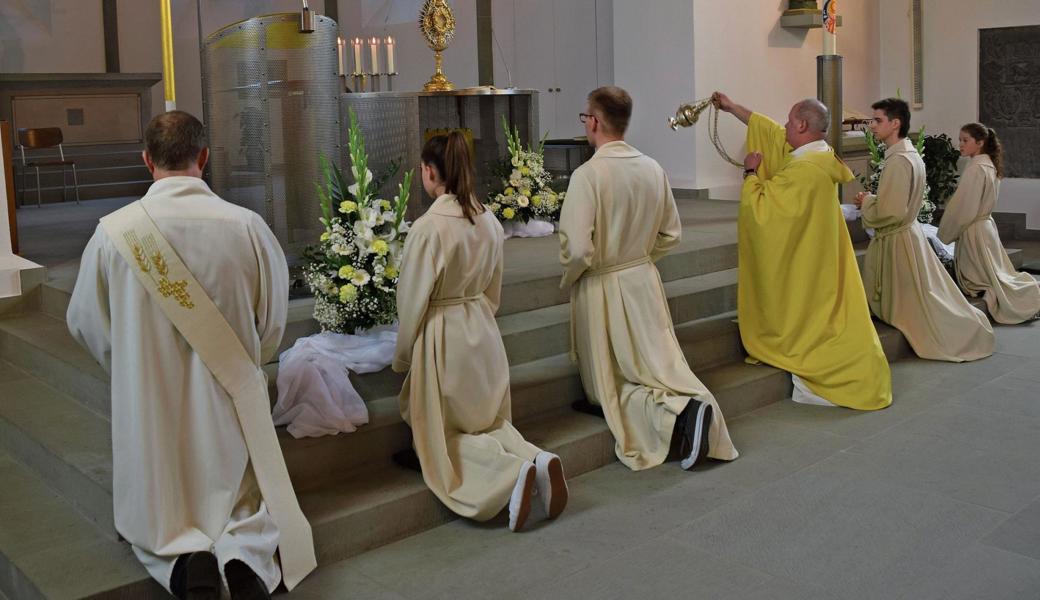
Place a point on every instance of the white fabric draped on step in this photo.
(530, 229)
(315, 395)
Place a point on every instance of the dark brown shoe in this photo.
(243, 583)
(196, 576)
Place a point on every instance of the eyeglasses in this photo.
(584, 116)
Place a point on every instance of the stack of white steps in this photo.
(55, 432)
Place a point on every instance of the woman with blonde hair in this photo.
(456, 396)
(982, 265)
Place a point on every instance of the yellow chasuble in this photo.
(800, 302)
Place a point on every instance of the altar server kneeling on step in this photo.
(981, 263)
(620, 217)
(907, 286)
(181, 297)
(456, 395)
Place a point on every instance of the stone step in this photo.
(51, 178)
(379, 502)
(87, 191)
(71, 445)
(531, 279)
(47, 550)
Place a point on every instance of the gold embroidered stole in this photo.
(183, 300)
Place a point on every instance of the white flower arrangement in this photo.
(525, 192)
(354, 268)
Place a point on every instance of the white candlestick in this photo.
(830, 28)
(358, 67)
(390, 54)
(341, 56)
(374, 46)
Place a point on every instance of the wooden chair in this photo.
(39, 139)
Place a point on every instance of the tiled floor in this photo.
(936, 497)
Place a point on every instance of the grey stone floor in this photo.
(936, 497)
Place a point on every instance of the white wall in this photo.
(742, 50)
(51, 36)
(653, 60)
(950, 77)
(673, 51)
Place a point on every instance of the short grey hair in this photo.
(813, 112)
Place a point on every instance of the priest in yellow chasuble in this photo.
(907, 286)
(618, 218)
(800, 302)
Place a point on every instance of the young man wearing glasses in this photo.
(620, 217)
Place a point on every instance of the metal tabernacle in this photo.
(271, 105)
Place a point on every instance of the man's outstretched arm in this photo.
(723, 103)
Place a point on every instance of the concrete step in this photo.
(89, 156)
(47, 550)
(51, 177)
(71, 445)
(87, 191)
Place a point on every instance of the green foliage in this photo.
(940, 161)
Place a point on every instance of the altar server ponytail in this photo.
(990, 144)
(449, 154)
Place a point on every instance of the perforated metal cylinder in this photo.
(271, 95)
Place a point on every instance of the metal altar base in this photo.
(395, 123)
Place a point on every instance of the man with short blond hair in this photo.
(619, 217)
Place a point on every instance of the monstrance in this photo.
(437, 23)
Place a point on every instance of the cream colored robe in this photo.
(181, 475)
(456, 395)
(907, 286)
(982, 265)
(620, 210)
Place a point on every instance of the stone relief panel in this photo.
(1009, 94)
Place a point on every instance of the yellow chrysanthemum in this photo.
(525, 171)
(325, 236)
(347, 293)
(347, 206)
(510, 191)
(385, 204)
(380, 247)
(346, 271)
(509, 213)
(390, 272)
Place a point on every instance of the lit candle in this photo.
(358, 67)
(341, 56)
(374, 46)
(830, 26)
(390, 54)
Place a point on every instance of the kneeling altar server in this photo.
(619, 217)
(456, 396)
(907, 286)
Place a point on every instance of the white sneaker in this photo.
(520, 501)
(552, 485)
